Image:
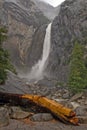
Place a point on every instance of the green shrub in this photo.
(78, 72)
(3, 75)
(3, 36)
(4, 58)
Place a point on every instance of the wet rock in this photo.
(81, 111)
(42, 117)
(18, 113)
(4, 117)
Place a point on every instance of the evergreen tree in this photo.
(3, 36)
(78, 72)
(4, 57)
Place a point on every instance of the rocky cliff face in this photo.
(23, 18)
(26, 30)
(70, 24)
(49, 11)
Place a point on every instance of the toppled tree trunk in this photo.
(61, 112)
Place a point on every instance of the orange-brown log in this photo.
(51, 104)
(57, 109)
(61, 112)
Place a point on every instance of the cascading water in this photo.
(38, 69)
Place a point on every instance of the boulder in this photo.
(81, 111)
(18, 113)
(82, 119)
(4, 117)
(42, 117)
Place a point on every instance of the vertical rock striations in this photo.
(37, 71)
(70, 24)
(49, 11)
(23, 18)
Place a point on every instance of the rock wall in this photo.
(70, 24)
(49, 11)
(36, 49)
(22, 19)
(26, 30)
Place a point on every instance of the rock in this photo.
(13, 83)
(42, 117)
(4, 117)
(49, 11)
(83, 97)
(81, 111)
(69, 25)
(82, 119)
(66, 96)
(75, 105)
(85, 102)
(18, 113)
(25, 21)
(76, 96)
(81, 101)
(62, 101)
(69, 105)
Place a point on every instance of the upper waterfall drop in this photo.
(38, 69)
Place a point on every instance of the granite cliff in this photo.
(23, 19)
(69, 25)
(26, 31)
(49, 11)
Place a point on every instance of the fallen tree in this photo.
(40, 103)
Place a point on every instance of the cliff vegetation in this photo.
(4, 57)
(78, 70)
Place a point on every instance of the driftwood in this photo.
(40, 103)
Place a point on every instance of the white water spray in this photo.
(37, 70)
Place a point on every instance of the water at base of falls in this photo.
(37, 71)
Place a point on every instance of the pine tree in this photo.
(78, 72)
(3, 36)
(4, 57)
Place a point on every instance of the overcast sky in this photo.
(54, 2)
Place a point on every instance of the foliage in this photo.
(3, 75)
(3, 36)
(4, 57)
(78, 72)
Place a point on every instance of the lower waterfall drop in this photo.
(37, 70)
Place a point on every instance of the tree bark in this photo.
(40, 104)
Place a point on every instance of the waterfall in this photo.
(38, 69)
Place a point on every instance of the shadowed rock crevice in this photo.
(36, 49)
